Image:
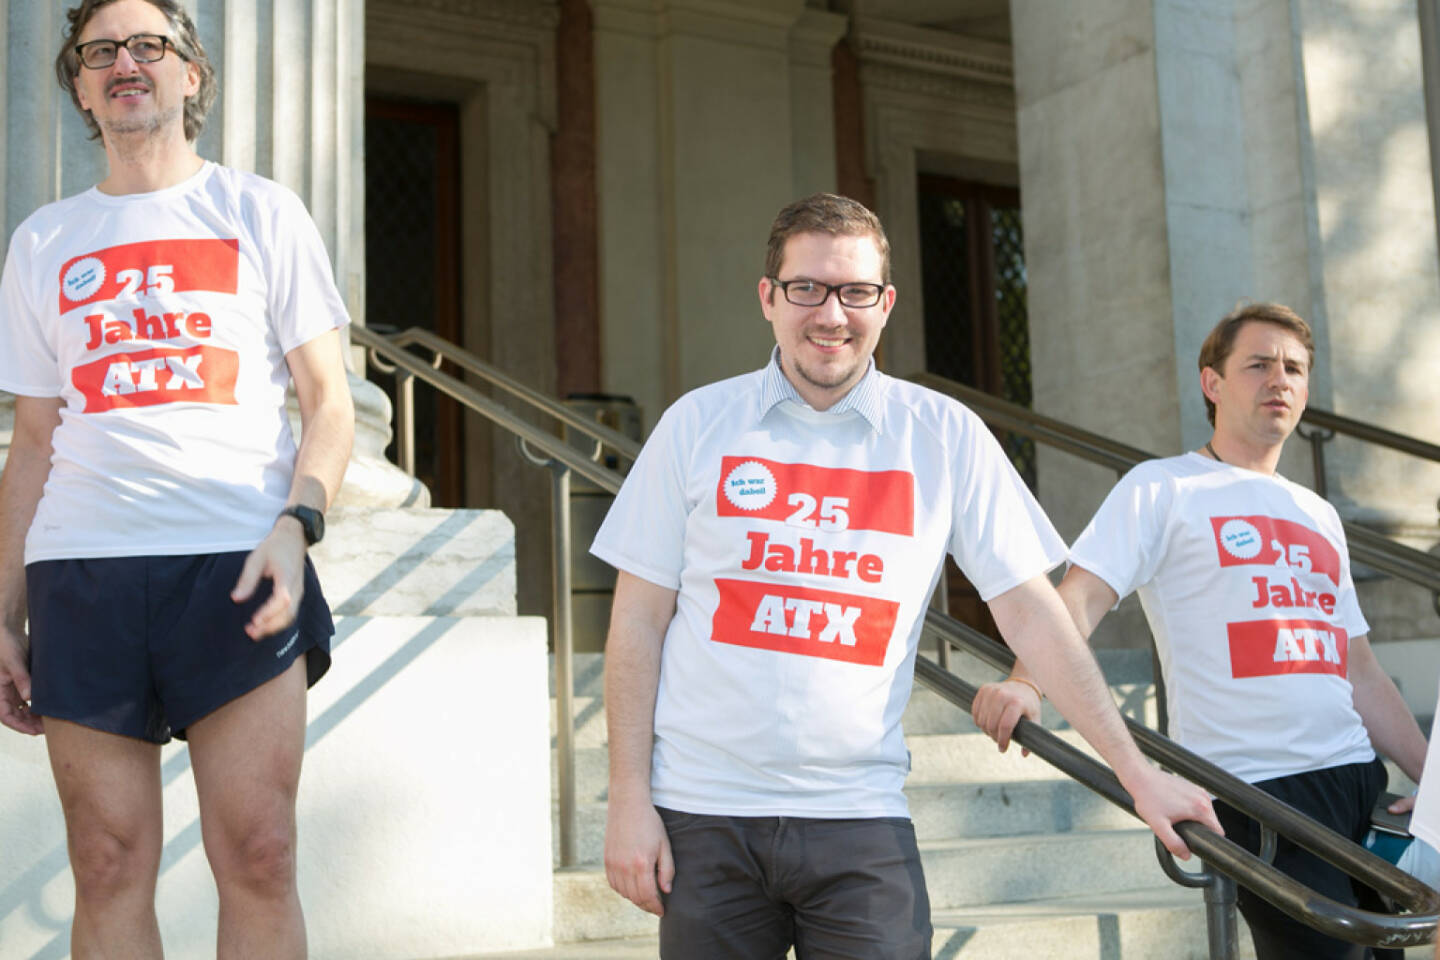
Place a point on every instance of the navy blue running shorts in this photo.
(145, 646)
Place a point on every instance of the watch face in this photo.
(312, 522)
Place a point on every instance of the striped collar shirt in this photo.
(865, 398)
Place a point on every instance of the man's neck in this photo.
(143, 164)
(1259, 457)
(817, 397)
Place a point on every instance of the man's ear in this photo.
(766, 290)
(1210, 383)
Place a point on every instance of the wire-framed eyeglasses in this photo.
(812, 293)
(143, 47)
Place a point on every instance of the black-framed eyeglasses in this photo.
(143, 47)
(812, 293)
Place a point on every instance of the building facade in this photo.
(577, 191)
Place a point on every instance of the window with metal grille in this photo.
(412, 243)
(973, 272)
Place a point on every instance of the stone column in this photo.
(1164, 175)
(1177, 157)
(290, 108)
(1370, 159)
(713, 115)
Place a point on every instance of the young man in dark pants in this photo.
(778, 540)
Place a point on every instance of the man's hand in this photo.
(1403, 805)
(281, 558)
(998, 707)
(637, 854)
(1163, 800)
(15, 686)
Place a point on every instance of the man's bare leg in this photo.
(110, 791)
(246, 758)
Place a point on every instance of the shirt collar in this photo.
(864, 398)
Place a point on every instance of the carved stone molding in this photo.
(747, 22)
(883, 76)
(932, 52)
(530, 13)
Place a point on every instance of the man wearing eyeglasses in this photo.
(149, 329)
(777, 541)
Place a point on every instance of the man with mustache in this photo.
(149, 328)
(778, 540)
(1245, 581)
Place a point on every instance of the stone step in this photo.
(959, 874)
(1166, 923)
(942, 812)
(964, 873)
(974, 758)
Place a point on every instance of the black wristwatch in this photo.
(312, 522)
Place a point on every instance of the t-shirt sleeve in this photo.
(1425, 822)
(644, 531)
(1000, 536)
(29, 365)
(1351, 617)
(1124, 541)
(304, 302)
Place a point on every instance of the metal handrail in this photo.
(1287, 894)
(1370, 433)
(1373, 549)
(443, 349)
(562, 458)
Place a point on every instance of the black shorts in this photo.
(747, 888)
(145, 646)
(1341, 798)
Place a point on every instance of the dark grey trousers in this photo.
(747, 888)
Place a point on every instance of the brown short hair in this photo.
(1217, 346)
(825, 213)
(182, 35)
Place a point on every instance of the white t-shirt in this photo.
(162, 321)
(1245, 580)
(1425, 821)
(804, 547)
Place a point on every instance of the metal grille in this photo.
(973, 273)
(401, 163)
(945, 272)
(400, 188)
(1008, 241)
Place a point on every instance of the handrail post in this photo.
(1221, 930)
(940, 600)
(561, 561)
(1317, 437)
(405, 421)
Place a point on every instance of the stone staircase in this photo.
(1021, 862)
